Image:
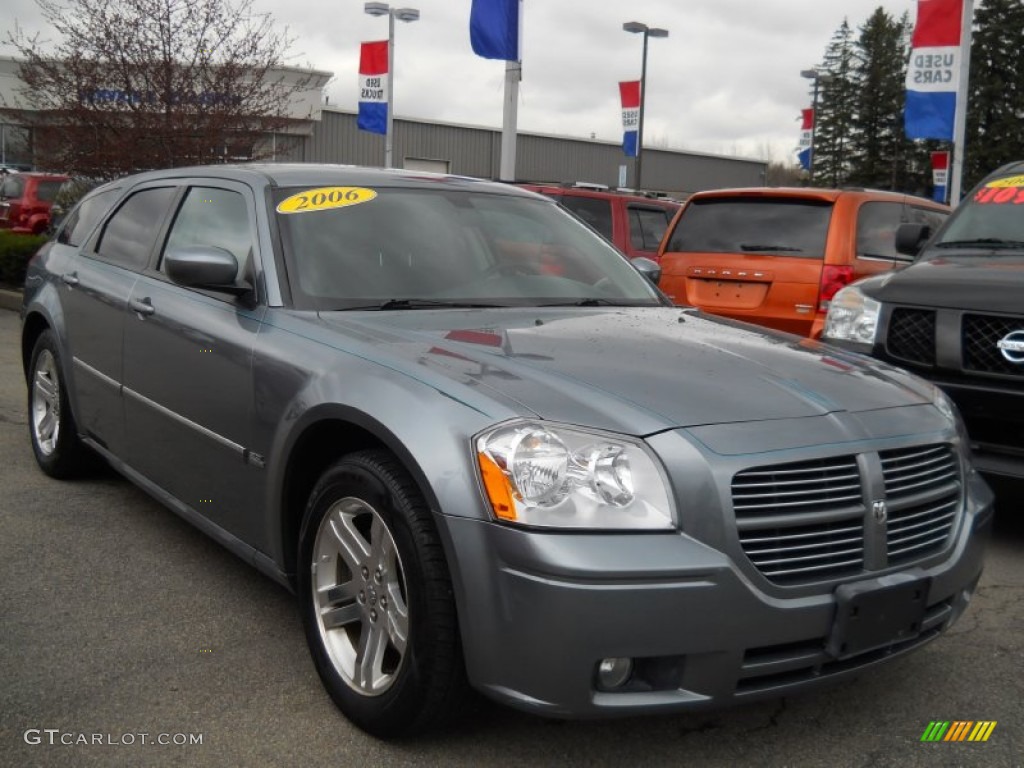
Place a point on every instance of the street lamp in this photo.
(402, 14)
(636, 26)
(818, 77)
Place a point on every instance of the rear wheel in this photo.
(55, 442)
(376, 598)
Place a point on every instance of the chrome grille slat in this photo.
(839, 565)
(804, 503)
(854, 477)
(922, 545)
(899, 523)
(754, 553)
(800, 536)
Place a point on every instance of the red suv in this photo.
(25, 201)
(633, 223)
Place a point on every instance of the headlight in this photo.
(948, 409)
(852, 316)
(561, 477)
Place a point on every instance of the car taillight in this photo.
(832, 279)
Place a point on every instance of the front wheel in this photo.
(376, 598)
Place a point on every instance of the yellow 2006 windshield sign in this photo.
(325, 198)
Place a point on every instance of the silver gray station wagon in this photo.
(485, 452)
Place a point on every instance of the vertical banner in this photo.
(630, 93)
(373, 87)
(940, 175)
(933, 74)
(806, 138)
(494, 29)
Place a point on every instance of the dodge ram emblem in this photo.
(1012, 346)
(879, 511)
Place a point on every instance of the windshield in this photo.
(408, 248)
(993, 217)
(789, 227)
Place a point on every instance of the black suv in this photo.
(956, 315)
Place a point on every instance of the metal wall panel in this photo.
(472, 151)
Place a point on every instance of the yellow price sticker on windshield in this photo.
(1009, 181)
(325, 198)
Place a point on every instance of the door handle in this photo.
(142, 306)
(70, 278)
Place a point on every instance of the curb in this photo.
(10, 300)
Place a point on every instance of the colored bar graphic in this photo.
(935, 730)
(958, 730)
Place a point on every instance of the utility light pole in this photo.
(647, 32)
(402, 14)
(818, 77)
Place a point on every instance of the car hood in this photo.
(980, 281)
(632, 370)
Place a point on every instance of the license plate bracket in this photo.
(877, 613)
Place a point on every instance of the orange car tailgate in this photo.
(718, 281)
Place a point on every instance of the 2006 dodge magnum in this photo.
(485, 451)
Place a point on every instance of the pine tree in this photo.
(836, 103)
(878, 147)
(996, 101)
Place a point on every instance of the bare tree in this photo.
(136, 84)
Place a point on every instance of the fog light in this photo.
(614, 673)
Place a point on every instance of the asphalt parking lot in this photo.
(118, 619)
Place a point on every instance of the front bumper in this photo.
(539, 610)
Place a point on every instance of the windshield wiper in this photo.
(990, 242)
(424, 304)
(596, 302)
(759, 247)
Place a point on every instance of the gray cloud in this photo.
(727, 79)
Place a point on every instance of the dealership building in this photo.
(320, 133)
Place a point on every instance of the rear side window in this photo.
(129, 236)
(85, 217)
(647, 226)
(753, 225)
(12, 187)
(876, 230)
(46, 191)
(933, 219)
(595, 212)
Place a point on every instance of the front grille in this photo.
(912, 336)
(802, 520)
(805, 521)
(922, 488)
(981, 333)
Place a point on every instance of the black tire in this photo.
(420, 680)
(56, 445)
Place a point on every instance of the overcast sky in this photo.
(726, 80)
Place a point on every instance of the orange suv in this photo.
(777, 256)
(634, 224)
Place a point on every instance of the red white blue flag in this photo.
(373, 87)
(806, 139)
(934, 71)
(940, 175)
(630, 93)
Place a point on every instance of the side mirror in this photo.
(201, 266)
(910, 238)
(648, 268)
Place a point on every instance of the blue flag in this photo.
(494, 29)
